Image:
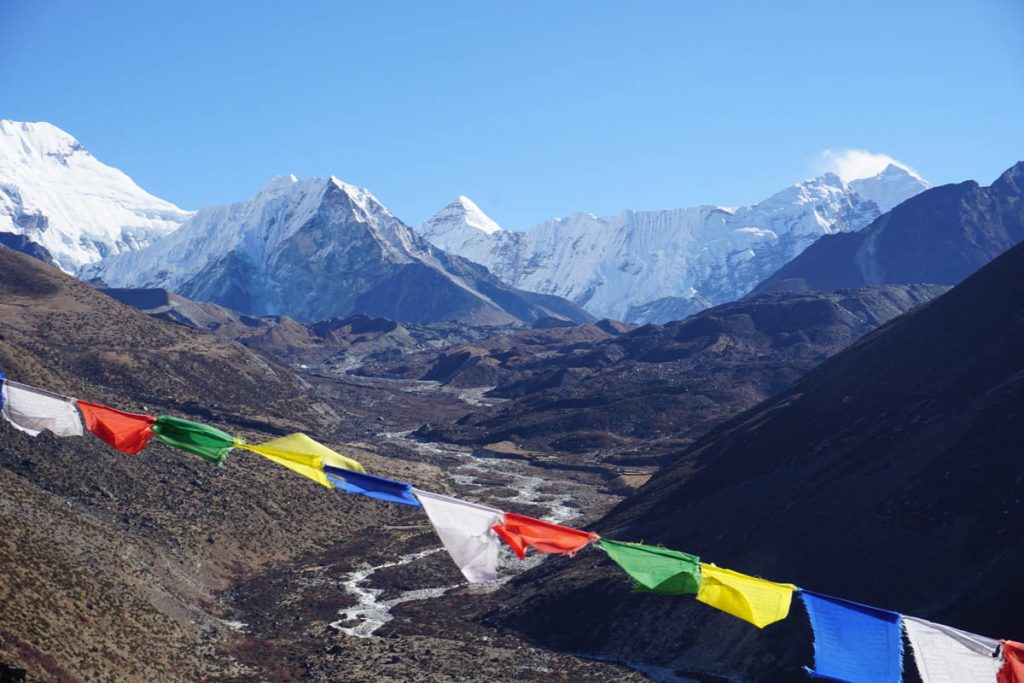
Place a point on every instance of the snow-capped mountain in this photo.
(318, 248)
(56, 195)
(654, 266)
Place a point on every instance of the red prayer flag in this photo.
(127, 432)
(521, 532)
(1013, 666)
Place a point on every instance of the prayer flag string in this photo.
(852, 642)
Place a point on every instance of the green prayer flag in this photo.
(206, 442)
(655, 570)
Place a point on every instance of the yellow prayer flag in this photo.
(302, 454)
(755, 600)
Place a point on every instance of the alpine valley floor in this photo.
(163, 567)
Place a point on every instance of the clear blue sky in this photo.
(533, 109)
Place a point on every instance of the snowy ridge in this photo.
(253, 231)
(641, 266)
(56, 194)
(316, 248)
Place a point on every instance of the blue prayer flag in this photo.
(854, 642)
(362, 484)
(1, 392)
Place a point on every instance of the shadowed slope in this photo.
(889, 475)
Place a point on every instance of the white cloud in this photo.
(853, 164)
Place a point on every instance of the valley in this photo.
(813, 388)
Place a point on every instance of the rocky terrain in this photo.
(331, 346)
(613, 394)
(888, 475)
(163, 567)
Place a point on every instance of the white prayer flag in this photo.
(32, 410)
(947, 655)
(465, 530)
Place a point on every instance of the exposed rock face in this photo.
(888, 475)
(26, 246)
(638, 394)
(656, 266)
(316, 249)
(941, 235)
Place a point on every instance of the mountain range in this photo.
(320, 248)
(655, 266)
(862, 442)
(58, 200)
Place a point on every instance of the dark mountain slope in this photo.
(890, 475)
(26, 246)
(331, 345)
(638, 395)
(942, 235)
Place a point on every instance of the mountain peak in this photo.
(462, 219)
(474, 215)
(58, 196)
(279, 183)
(891, 186)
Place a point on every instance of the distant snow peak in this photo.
(475, 217)
(857, 164)
(57, 195)
(463, 216)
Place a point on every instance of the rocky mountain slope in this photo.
(162, 567)
(655, 266)
(333, 345)
(941, 235)
(634, 395)
(60, 198)
(888, 475)
(315, 249)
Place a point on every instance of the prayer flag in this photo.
(755, 600)
(948, 655)
(521, 532)
(656, 570)
(32, 410)
(466, 531)
(202, 440)
(1013, 667)
(127, 432)
(368, 485)
(854, 642)
(302, 454)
